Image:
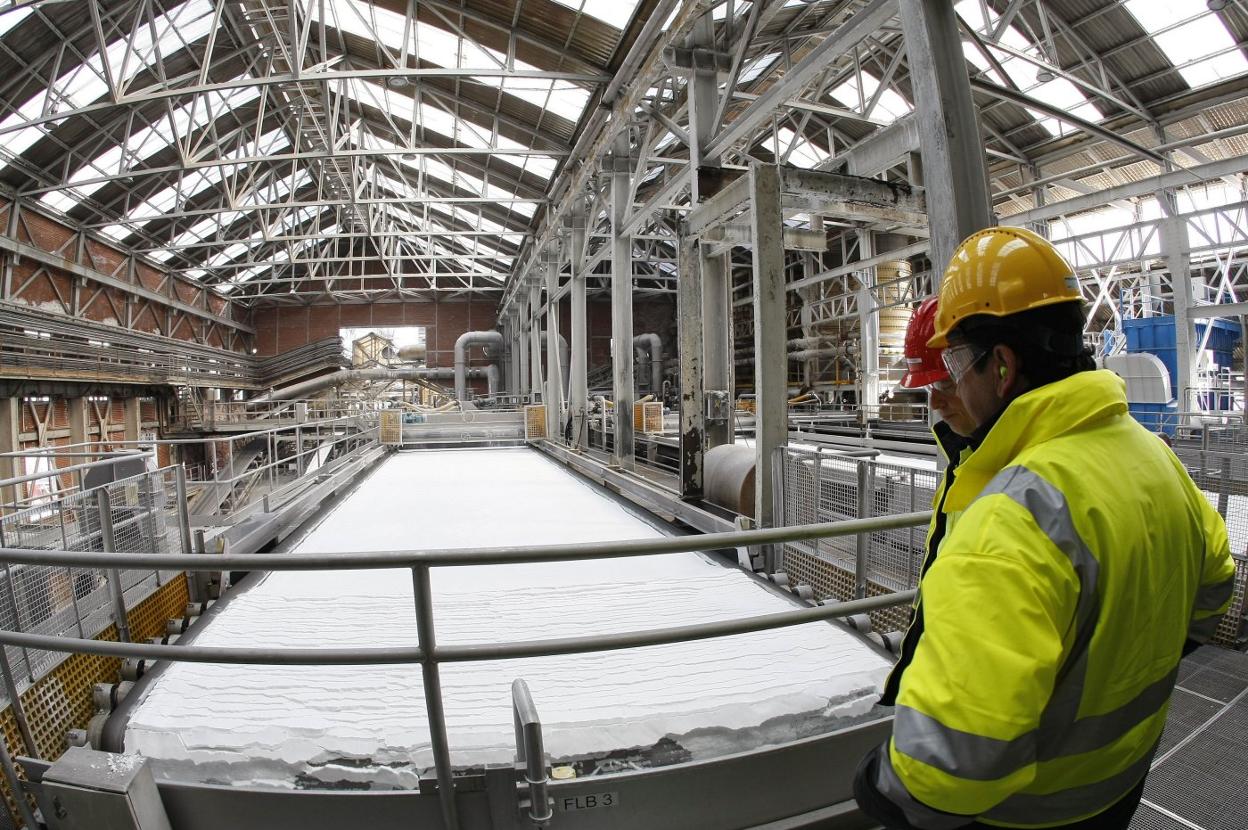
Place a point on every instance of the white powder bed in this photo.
(366, 726)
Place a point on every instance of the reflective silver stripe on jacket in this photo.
(917, 813)
(1213, 597)
(1061, 731)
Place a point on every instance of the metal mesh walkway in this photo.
(1199, 779)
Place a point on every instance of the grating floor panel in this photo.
(1147, 818)
(1199, 775)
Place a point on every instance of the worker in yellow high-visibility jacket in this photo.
(1084, 564)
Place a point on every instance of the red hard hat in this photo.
(923, 364)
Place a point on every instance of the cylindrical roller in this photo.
(102, 696)
(76, 737)
(175, 626)
(132, 668)
(805, 592)
(893, 640)
(860, 622)
(780, 578)
(728, 477)
(193, 609)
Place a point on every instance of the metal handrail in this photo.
(428, 653)
(448, 557)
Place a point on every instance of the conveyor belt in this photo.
(365, 727)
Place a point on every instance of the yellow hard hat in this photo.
(998, 272)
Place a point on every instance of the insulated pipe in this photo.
(654, 345)
(490, 339)
(307, 387)
(412, 353)
(565, 368)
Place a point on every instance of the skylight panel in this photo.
(803, 153)
(756, 67)
(1186, 43)
(543, 166)
(615, 13)
(151, 140)
(888, 108)
(1057, 92)
(10, 19)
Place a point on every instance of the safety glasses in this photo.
(944, 387)
(961, 359)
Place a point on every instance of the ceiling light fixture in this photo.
(1044, 76)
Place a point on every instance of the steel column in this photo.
(622, 310)
(523, 379)
(717, 354)
(692, 405)
(868, 333)
(958, 203)
(578, 395)
(535, 341)
(554, 394)
(1176, 248)
(770, 357)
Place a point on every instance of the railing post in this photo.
(865, 488)
(433, 694)
(15, 784)
(184, 511)
(530, 752)
(109, 543)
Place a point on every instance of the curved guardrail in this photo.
(428, 653)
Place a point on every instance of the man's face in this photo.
(944, 401)
(978, 380)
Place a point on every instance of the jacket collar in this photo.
(1037, 416)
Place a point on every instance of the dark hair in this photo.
(1047, 340)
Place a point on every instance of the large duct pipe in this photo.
(411, 354)
(565, 367)
(308, 387)
(654, 345)
(490, 339)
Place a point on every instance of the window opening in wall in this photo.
(369, 346)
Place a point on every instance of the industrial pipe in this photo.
(565, 368)
(411, 354)
(490, 339)
(654, 345)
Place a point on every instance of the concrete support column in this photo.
(78, 409)
(622, 308)
(954, 170)
(10, 428)
(535, 341)
(578, 394)
(692, 404)
(1176, 248)
(132, 422)
(554, 394)
(770, 355)
(717, 355)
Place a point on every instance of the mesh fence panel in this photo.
(826, 487)
(77, 602)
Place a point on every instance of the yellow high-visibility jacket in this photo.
(1056, 614)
